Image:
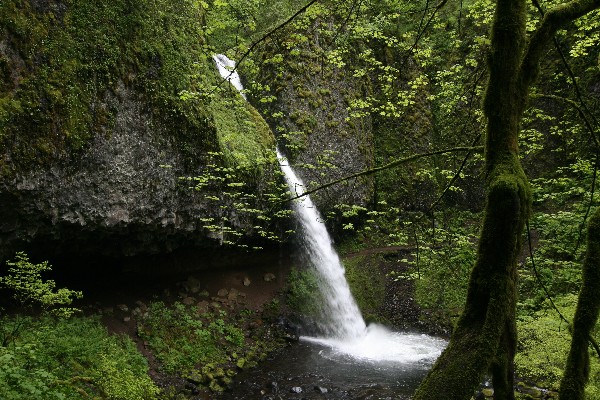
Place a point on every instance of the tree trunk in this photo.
(485, 337)
(572, 386)
(484, 340)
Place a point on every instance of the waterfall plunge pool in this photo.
(388, 367)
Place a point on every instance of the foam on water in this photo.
(379, 344)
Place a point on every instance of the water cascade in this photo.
(227, 70)
(340, 317)
(341, 327)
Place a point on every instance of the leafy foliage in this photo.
(183, 340)
(243, 209)
(71, 359)
(24, 280)
(544, 344)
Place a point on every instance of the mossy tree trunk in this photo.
(484, 340)
(576, 373)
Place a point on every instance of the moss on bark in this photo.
(485, 337)
(576, 373)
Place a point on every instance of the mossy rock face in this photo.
(96, 128)
(310, 117)
(367, 283)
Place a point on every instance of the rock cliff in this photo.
(103, 109)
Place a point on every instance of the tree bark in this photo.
(485, 337)
(484, 340)
(576, 373)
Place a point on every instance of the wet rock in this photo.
(247, 281)
(296, 389)
(196, 378)
(487, 392)
(233, 294)
(192, 285)
(220, 300)
(532, 391)
(222, 292)
(188, 301)
(108, 310)
(126, 319)
(274, 387)
(202, 307)
(321, 389)
(123, 307)
(143, 307)
(215, 387)
(269, 277)
(291, 337)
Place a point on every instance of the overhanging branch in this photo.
(266, 36)
(392, 164)
(553, 20)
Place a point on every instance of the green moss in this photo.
(367, 284)
(70, 55)
(303, 295)
(544, 344)
(244, 136)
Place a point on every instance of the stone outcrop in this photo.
(121, 195)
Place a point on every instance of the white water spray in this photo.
(227, 70)
(341, 324)
(340, 316)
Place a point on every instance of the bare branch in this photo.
(392, 164)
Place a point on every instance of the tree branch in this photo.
(580, 111)
(553, 20)
(392, 164)
(454, 178)
(266, 36)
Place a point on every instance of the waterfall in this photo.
(227, 70)
(341, 325)
(340, 316)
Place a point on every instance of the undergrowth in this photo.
(72, 359)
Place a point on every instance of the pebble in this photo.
(296, 389)
(321, 389)
(247, 281)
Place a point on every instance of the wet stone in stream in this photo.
(305, 371)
